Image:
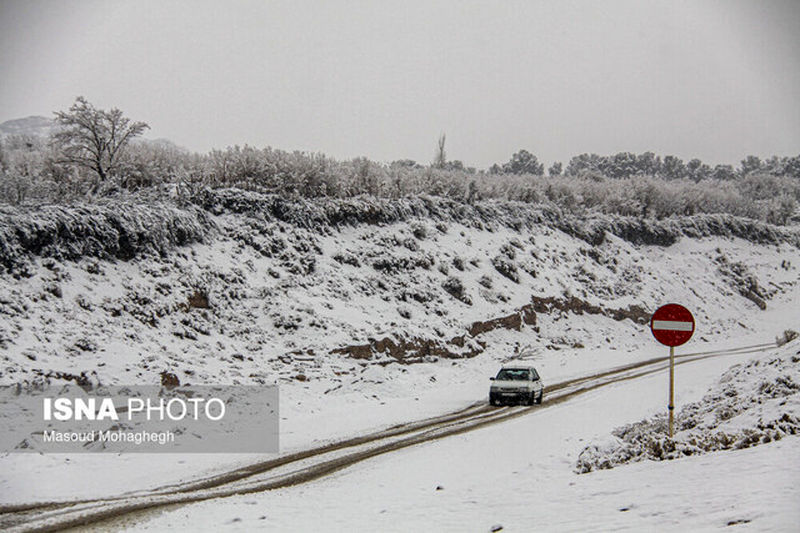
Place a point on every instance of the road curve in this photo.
(317, 462)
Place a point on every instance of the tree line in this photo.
(95, 153)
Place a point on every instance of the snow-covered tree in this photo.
(555, 169)
(524, 162)
(750, 164)
(673, 168)
(93, 138)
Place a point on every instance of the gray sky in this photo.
(715, 80)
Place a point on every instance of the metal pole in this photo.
(671, 386)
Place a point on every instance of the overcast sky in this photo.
(715, 80)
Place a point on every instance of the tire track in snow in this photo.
(314, 463)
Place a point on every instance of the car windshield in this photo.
(514, 374)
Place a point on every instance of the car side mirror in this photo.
(491, 379)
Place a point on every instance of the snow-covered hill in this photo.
(254, 289)
(394, 310)
(36, 126)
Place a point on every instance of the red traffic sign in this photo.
(672, 324)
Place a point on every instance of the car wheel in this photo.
(541, 395)
(532, 398)
(492, 400)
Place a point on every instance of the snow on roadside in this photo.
(752, 404)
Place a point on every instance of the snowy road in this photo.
(299, 468)
(519, 475)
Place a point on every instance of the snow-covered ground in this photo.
(521, 475)
(271, 319)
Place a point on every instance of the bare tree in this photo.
(440, 159)
(93, 138)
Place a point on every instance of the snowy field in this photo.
(266, 320)
(521, 475)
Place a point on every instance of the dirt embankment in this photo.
(469, 344)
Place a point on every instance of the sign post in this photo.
(671, 406)
(672, 325)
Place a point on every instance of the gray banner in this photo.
(147, 419)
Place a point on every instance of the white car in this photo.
(516, 383)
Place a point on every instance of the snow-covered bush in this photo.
(130, 226)
(624, 184)
(788, 336)
(508, 251)
(455, 288)
(326, 214)
(346, 258)
(394, 264)
(120, 229)
(506, 267)
(419, 230)
(743, 281)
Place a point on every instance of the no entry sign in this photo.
(672, 324)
